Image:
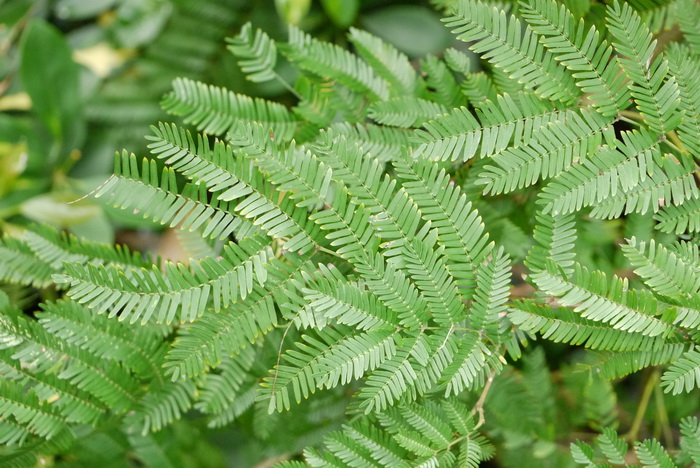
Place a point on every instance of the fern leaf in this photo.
(582, 52)
(687, 13)
(555, 238)
(393, 288)
(333, 62)
(609, 172)
(349, 451)
(257, 53)
(469, 366)
(139, 350)
(202, 344)
(394, 378)
(614, 448)
(492, 291)
(296, 373)
(386, 61)
(651, 453)
(601, 301)
(111, 384)
(348, 304)
(405, 112)
(684, 374)
(383, 143)
(657, 99)
(684, 217)
(73, 405)
(440, 82)
(613, 365)
(684, 68)
(690, 437)
(149, 293)
(458, 135)
(672, 185)
(460, 229)
(24, 409)
(550, 153)
(382, 448)
(216, 110)
(161, 406)
(512, 48)
(563, 325)
(661, 269)
(350, 358)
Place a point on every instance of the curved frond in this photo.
(684, 374)
(257, 53)
(511, 47)
(583, 52)
(657, 98)
(565, 326)
(216, 110)
(386, 61)
(333, 62)
(600, 300)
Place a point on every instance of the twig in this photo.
(479, 406)
(643, 405)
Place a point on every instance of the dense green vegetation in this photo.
(352, 236)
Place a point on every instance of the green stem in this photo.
(662, 416)
(643, 405)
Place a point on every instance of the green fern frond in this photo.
(179, 292)
(614, 365)
(651, 453)
(687, 13)
(441, 84)
(140, 350)
(74, 405)
(386, 61)
(684, 217)
(459, 226)
(19, 264)
(552, 151)
(216, 110)
(512, 48)
(607, 173)
(458, 135)
(661, 269)
(405, 111)
(672, 185)
(257, 53)
(218, 390)
(394, 379)
(23, 408)
(596, 72)
(492, 291)
(159, 198)
(469, 365)
(295, 372)
(684, 68)
(690, 437)
(555, 238)
(349, 304)
(110, 383)
(350, 358)
(657, 98)
(203, 343)
(333, 62)
(563, 325)
(161, 406)
(382, 143)
(600, 300)
(684, 374)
